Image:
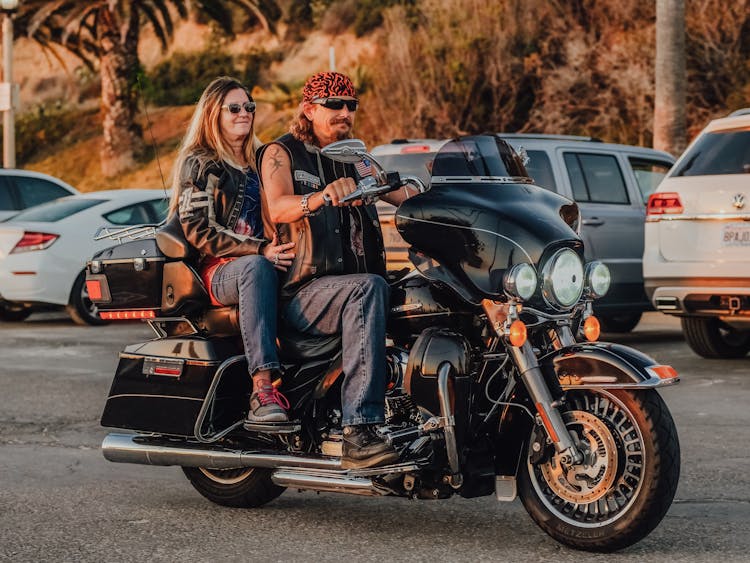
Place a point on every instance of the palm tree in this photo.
(108, 31)
(669, 102)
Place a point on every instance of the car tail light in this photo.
(664, 203)
(415, 148)
(34, 241)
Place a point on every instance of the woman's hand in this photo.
(278, 254)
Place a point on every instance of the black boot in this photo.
(363, 447)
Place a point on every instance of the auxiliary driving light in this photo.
(598, 279)
(520, 281)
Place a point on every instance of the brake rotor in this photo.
(595, 475)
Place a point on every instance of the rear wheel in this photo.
(243, 487)
(627, 480)
(81, 309)
(619, 322)
(711, 338)
(14, 313)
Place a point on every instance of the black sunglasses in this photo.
(249, 107)
(337, 103)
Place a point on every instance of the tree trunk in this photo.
(670, 132)
(118, 63)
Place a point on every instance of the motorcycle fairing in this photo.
(603, 365)
(467, 230)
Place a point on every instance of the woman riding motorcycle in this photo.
(216, 198)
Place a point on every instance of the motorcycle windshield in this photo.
(480, 158)
(482, 215)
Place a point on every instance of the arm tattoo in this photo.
(275, 163)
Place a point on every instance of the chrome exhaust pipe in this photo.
(147, 450)
(326, 483)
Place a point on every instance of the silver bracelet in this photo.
(305, 207)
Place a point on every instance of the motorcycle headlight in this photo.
(598, 279)
(520, 281)
(562, 279)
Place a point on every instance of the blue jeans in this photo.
(251, 282)
(354, 306)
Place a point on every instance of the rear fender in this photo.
(602, 365)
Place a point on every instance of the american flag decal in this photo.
(363, 168)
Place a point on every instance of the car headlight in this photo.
(598, 279)
(562, 279)
(520, 281)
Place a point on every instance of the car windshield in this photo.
(478, 156)
(56, 210)
(720, 152)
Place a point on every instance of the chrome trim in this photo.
(148, 450)
(698, 217)
(449, 430)
(481, 180)
(202, 363)
(327, 483)
(154, 396)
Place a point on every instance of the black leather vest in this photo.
(320, 238)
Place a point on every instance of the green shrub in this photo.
(181, 79)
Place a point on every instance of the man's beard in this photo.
(341, 135)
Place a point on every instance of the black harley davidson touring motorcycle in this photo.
(496, 383)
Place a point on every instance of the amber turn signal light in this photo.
(664, 372)
(591, 328)
(517, 333)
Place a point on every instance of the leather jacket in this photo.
(321, 238)
(209, 207)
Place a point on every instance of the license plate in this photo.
(736, 234)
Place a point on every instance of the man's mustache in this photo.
(337, 120)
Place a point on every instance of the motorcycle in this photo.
(497, 383)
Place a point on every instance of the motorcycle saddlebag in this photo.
(137, 276)
(161, 385)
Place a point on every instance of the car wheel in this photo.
(80, 308)
(14, 313)
(619, 322)
(711, 338)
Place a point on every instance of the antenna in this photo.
(151, 133)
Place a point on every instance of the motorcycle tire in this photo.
(244, 487)
(628, 483)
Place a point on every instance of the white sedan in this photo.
(44, 249)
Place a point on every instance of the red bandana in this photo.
(327, 85)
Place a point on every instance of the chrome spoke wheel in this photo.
(599, 490)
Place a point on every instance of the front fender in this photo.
(603, 365)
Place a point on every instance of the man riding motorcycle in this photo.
(336, 286)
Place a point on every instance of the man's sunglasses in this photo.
(249, 107)
(337, 103)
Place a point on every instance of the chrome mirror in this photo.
(349, 151)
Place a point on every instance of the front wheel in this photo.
(244, 487)
(627, 480)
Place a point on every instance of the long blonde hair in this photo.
(204, 140)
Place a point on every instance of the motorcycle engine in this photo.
(400, 410)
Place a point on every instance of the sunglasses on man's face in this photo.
(337, 103)
(249, 107)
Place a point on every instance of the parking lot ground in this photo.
(61, 501)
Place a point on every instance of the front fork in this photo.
(501, 315)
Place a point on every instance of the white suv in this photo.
(696, 261)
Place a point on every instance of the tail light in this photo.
(127, 315)
(34, 241)
(664, 203)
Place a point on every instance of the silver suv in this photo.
(611, 184)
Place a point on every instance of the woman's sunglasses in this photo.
(249, 107)
(337, 103)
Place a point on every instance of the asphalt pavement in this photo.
(61, 501)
